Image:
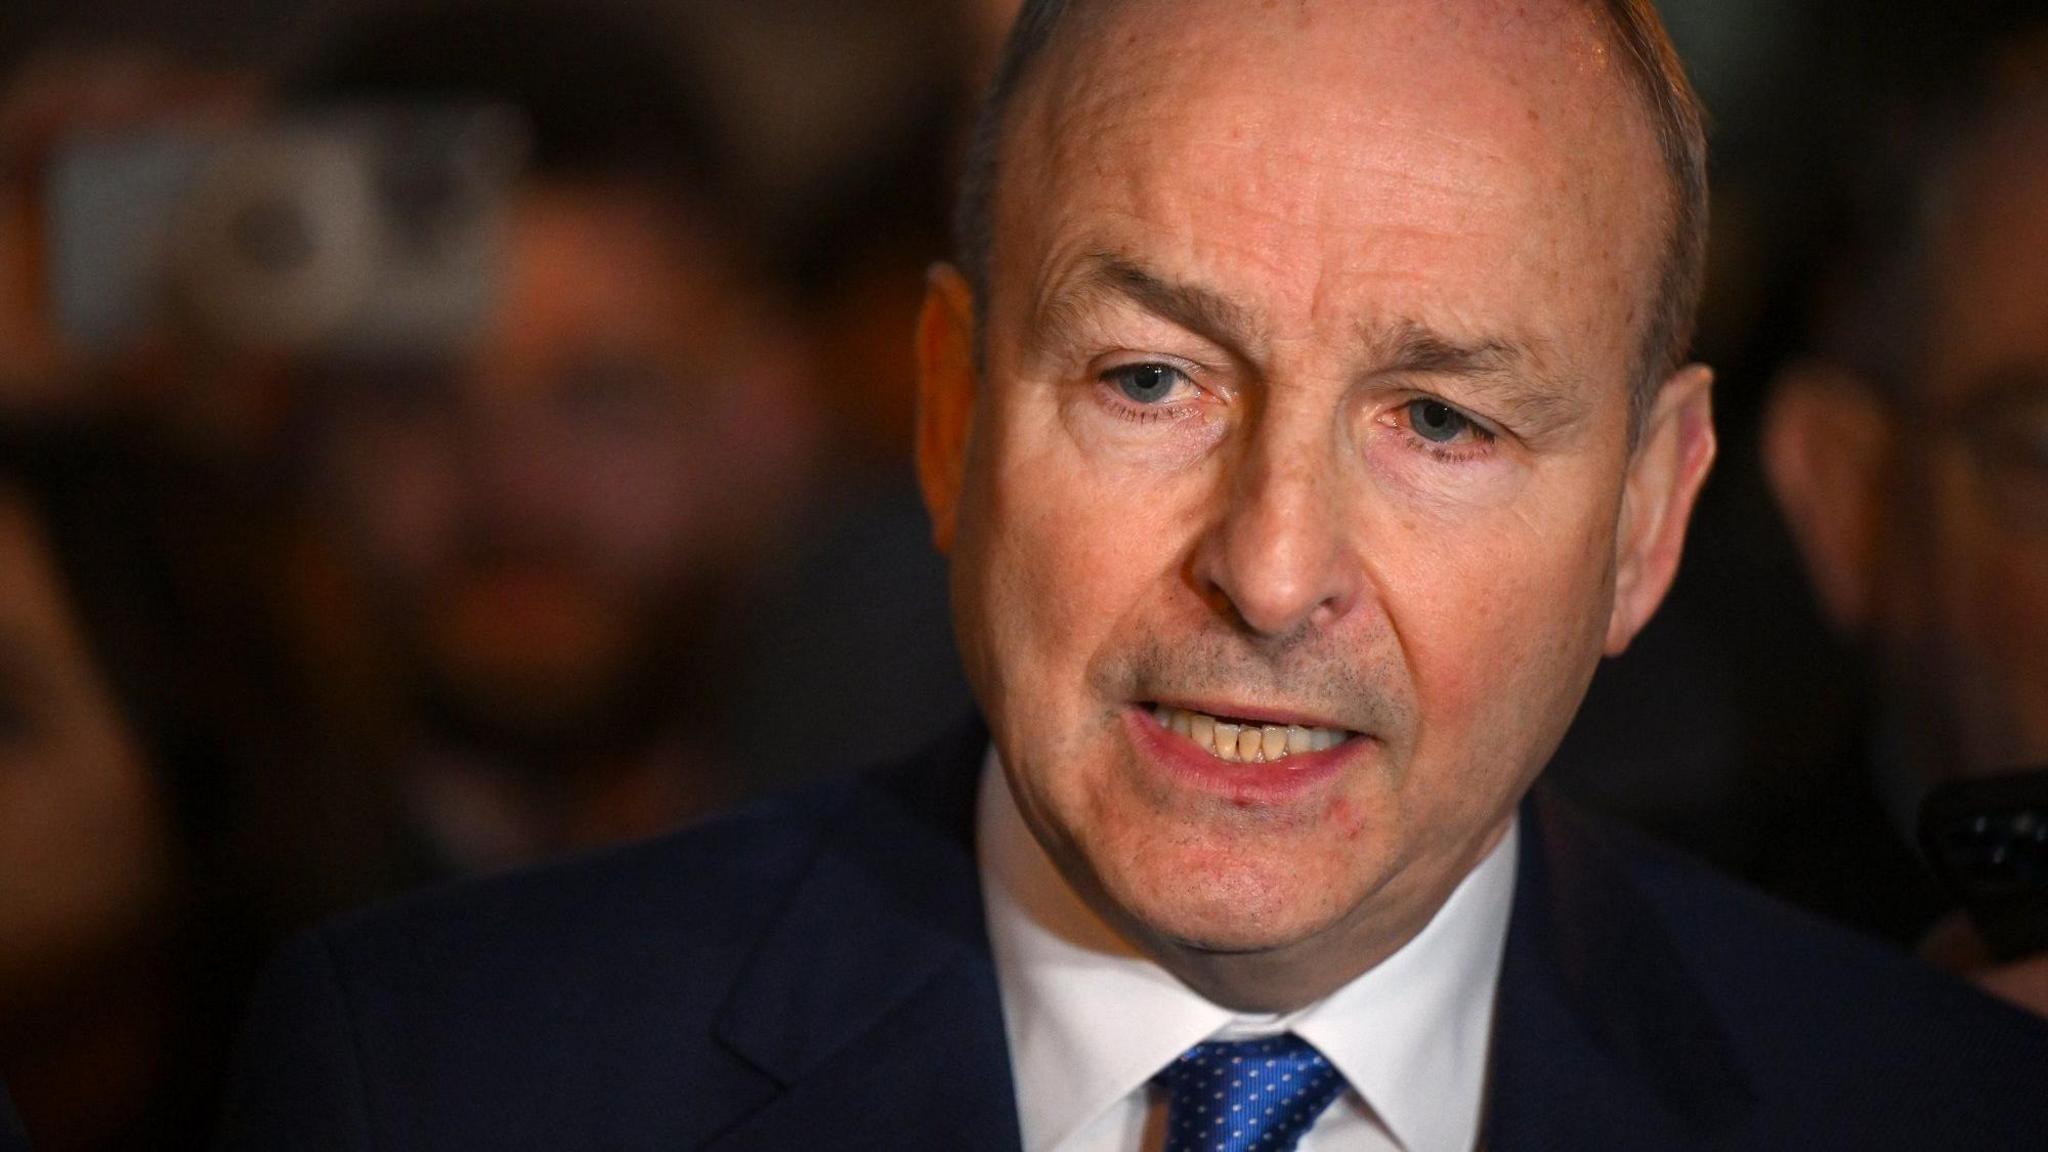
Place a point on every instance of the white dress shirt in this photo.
(1090, 1020)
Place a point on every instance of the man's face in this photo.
(1965, 604)
(1305, 418)
(543, 516)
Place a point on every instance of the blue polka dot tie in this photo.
(1246, 1095)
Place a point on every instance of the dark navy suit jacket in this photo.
(814, 973)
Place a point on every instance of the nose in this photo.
(1280, 556)
(512, 476)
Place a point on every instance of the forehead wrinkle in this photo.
(1203, 311)
(1514, 371)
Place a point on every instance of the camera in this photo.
(1988, 841)
(356, 229)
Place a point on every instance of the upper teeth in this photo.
(1246, 743)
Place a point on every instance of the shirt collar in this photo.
(1090, 1019)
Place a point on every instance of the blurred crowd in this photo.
(438, 437)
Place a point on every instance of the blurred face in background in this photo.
(1966, 605)
(549, 522)
(1922, 507)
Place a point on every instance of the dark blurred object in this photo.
(1988, 841)
(367, 228)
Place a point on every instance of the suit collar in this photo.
(1602, 1038)
(872, 1000)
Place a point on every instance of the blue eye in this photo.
(1437, 422)
(1145, 383)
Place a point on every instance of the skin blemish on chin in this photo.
(1344, 815)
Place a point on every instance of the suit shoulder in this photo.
(529, 1010)
(594, 1002)
(685, 891)
(1825, 1013)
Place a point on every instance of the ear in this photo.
(1671, 461)
(946, 389)
(1826, 441)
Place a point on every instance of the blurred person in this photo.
(1308, 417)
(549, 530)
(1910, 455)
(85, 865)
(115, 979)
(120, 956)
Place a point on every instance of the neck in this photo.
(489, 812)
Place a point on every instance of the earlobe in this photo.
(1825, 443)
(946, 387)
(1670, 465)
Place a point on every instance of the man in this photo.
(1307, 422)
(89, 845)
(1911, 457)
(550, 522)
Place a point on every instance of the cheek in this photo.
(638, 503)
(400, 500)
(1055, 570)
(1502, 629)
(1059, 554)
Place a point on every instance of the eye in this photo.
(1438, 422)
(1146, 383)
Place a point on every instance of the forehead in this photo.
(617, 242)
(1339, 149)
(1991, 316)
(612, 266)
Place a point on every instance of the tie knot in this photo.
(1246, 1095)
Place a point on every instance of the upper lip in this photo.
(1258, 713)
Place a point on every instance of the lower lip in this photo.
(1243, 783)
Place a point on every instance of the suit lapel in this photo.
(1602, 1040)
(898, 1042)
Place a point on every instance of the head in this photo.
(1910, 453)
(1295, 397)
(550, 517)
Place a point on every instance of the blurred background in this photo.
(437, 437)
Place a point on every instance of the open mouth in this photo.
(1240, 741)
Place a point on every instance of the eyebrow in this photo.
(1515, 373)
(1206, 313)
(1528, 395)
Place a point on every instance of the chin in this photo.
(1234, 905)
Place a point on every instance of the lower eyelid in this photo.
(1109, 396)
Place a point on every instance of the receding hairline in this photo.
(1652, 71)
